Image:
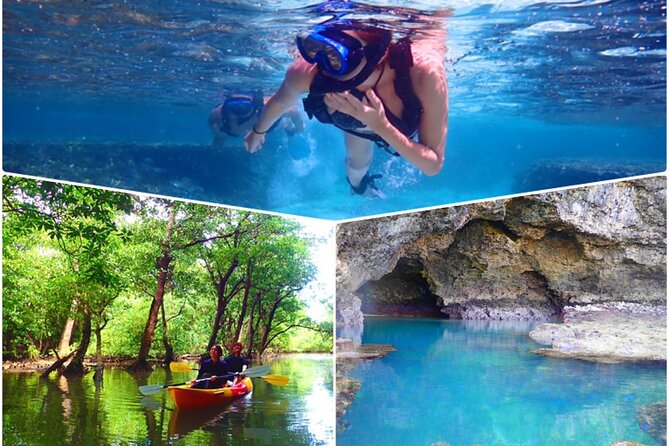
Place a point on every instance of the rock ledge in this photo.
(609, 333)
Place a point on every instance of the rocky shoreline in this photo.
(607, 333)
(349, 354)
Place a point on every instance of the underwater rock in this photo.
(346, 390)
(550, 174)
(521, 258)
(191, 171)
(652, 420)
(349, 354)
(606, 333)
(365, 351)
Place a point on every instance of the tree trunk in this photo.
(68, 329)
(247, 290)
(267, 327)
(56, 365)
(223, 300)
(76, 366)
(216, 327)
(163, 264)
(253, 325)
(98, 344)
(169, 351)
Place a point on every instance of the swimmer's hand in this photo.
(369, 111)
(289, 128)
(253, 142)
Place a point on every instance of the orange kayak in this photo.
(187, 398)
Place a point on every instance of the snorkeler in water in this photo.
(235, 117)
(378, 91)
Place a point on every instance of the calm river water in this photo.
(76, 411)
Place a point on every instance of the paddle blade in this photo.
(150, 404)
(276, 380)
(181, 367)
(150, 390)
(257, 372)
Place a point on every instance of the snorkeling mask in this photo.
(238, 109)
(333, 50)
(241, 108)
(336, 52)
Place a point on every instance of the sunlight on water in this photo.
(319, 404)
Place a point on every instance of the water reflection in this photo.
(61, 411)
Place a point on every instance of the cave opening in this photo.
(402, 292)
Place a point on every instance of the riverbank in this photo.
(43, 363)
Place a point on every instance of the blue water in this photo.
(542, 94)
(466, 383)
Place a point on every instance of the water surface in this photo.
(76, 411)
(467, 382)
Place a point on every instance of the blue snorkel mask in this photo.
(338, 53)
(242, 107)
(238, 109)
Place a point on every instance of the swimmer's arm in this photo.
(427, 154)
(295, 83)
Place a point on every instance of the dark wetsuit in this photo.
(401, 60)
(236, 363)
(209, 368)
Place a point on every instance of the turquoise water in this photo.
(59, 411)
(542, 94)
(467, 383)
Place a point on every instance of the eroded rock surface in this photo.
(520, 258)
(607, 333)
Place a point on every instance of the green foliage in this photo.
(35, 301)
(128, 314)
(69, 250)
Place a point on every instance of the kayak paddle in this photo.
(181, 367)
(277, 380)
(253, 372)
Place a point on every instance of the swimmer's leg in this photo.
(359, 156)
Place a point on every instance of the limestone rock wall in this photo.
(518, 258)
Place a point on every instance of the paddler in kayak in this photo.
(211, 368)
(236, 362)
